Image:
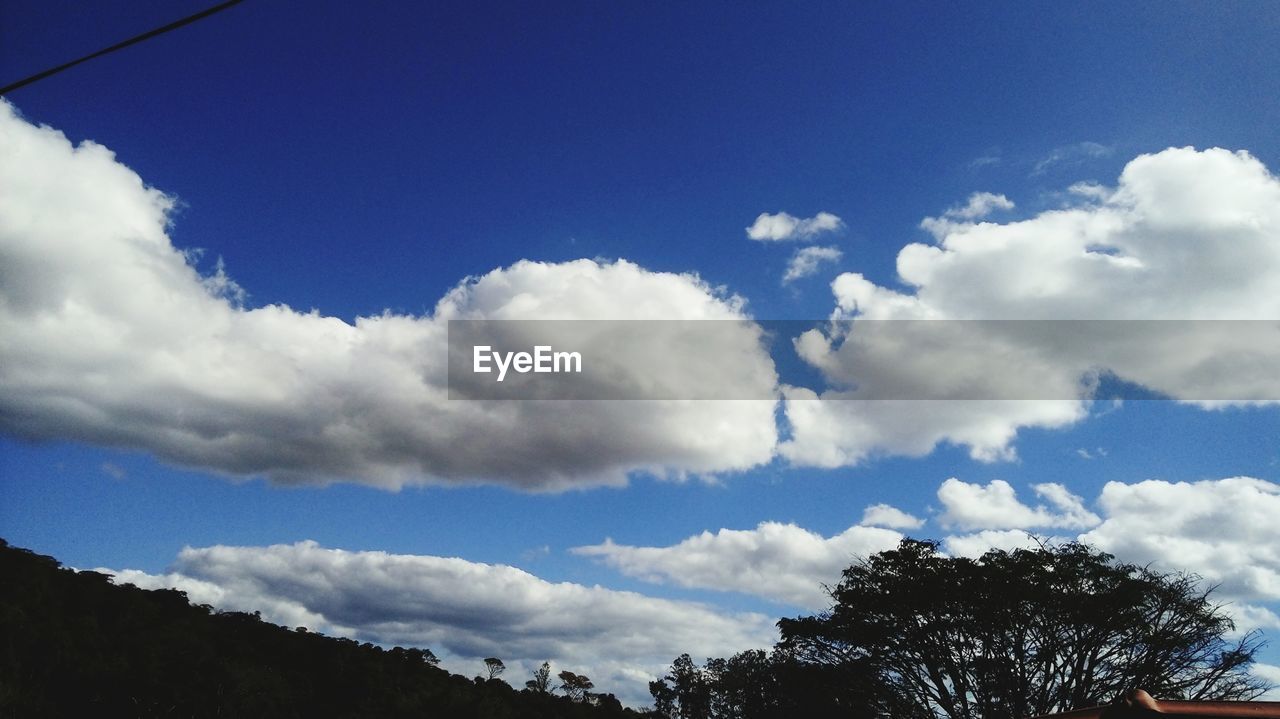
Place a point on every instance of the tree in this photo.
(664, 699)
(693, 692)
(541, 681)
(1022, 633)
(744, 685)
(575, 686)
(494, 666)
(756, 684)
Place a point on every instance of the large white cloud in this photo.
(1184, 235)
(463, 610)
(1227, 530)
(109, 335)
(781, 562)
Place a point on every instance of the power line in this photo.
(118, 46)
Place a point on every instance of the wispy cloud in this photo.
(984, 161)
(807, 260)
(113, 470)
(1071, 155)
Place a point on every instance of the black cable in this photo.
(144, 36)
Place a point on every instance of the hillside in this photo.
(74, 644)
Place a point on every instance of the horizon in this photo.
(230, 258)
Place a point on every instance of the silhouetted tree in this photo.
(494, 667)
(541, 681)
(758, 684)
(1021, 633)
(664, 699)
(575, 686)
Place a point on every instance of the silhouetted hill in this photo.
(72, 644)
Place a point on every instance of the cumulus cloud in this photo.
(1185, 235)
(111, 336)
(996, 506)
(1224, 530)
(462, 610)
(806, 261)
(783, 227)
(884, 515)
(781, 562)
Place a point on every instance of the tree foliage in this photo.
(1022, 633)
(759, 684)
(575, 686)
(541, 681)
(917, 635)
(494, 666)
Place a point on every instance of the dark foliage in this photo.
(916, 635)
(1022, 633)
(758, 684)
(74, 644)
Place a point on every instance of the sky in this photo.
(229, 256)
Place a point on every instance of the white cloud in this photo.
(996, 506)
(884, 515)
(462, 610)
(979, 205)
(978, 543)
(1269, 673)
(112, 337)
(781, 562)
(1184, 235)
(784, 227)
(1225, 530)
(806, 261)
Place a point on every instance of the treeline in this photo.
(759, 684)
(72, 644)
(911, 634)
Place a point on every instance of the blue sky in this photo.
(353, 160)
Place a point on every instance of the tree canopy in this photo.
(914, 634)
(1022, 633)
